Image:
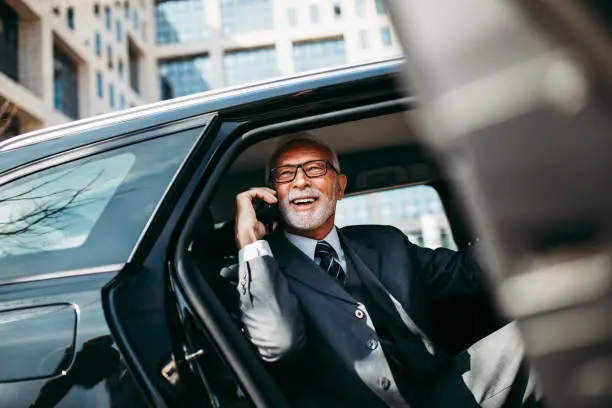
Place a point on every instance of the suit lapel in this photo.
(300, 267)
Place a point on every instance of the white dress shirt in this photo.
(304, 244)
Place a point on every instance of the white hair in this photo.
(297, 137)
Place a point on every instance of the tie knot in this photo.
(329, 261)
(324, 248)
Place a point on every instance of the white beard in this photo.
(307, 220)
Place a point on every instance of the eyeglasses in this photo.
(312, 169)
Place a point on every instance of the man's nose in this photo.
(301, 179)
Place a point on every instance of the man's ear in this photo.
(342, 180)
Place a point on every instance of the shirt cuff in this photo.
(254, 250)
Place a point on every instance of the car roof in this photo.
(39, 144)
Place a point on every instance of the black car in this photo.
(117, 255)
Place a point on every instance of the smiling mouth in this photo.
(304, 202)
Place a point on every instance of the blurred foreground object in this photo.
(516, 101)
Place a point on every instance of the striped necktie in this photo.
(329, 261)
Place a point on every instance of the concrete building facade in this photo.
(70, 59)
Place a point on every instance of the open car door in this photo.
(516, 100)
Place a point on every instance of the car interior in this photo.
(377, 152)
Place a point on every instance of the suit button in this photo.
(359, 314)
(384, 383)
(372, 344)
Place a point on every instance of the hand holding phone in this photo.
(248, 227)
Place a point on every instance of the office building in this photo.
(71, 59)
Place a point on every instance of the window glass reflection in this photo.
(65, 84)
(319, 54)
(249, 65)
(243, 16)
(184, 77)
(179, 21)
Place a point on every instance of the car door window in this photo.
(89, 212)
(57, 210)
(416, 210)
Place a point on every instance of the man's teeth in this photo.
(304, 201)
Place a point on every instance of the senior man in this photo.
(340, 315)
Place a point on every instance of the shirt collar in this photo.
(308, 245)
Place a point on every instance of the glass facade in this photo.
(292, 16)
(70, 18)
(364, 39)
(108, 18)
(135, 20)
(100, 85)
(118, 30)
(111, 96)
(243, 16)
(314, 13)
(9, 41)
(249, 65)
(337, 10)
(109, 56)
(65, 84)
(319, 54)
(98, 41)
(184, 76)
(416, 210)
(385, 36)
(179, 21)
(360, 8)
(134, 61)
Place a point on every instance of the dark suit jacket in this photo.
(304, 323)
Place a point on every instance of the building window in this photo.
(121, 101)
(337, 10)
(385, 35)
(65, 85)
(109, 56)
(184, 76)
(120, 68)
(292, 16)
(118, 30)
(70, 18)
(100, 85)
(380, 7)
(314, 13)
(134, 62)
(111, 96)
(98, 42)
(360, 8)
(243, 16)
(409, 209)
(107, 18)
(319, 54)
(364, 40)
(126, 9)
(96, 10)
(9, 46)
(179, 21)
(135, 20)
(249, 65)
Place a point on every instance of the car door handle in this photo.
(194, 355)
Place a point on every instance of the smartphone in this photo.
(266, 213)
